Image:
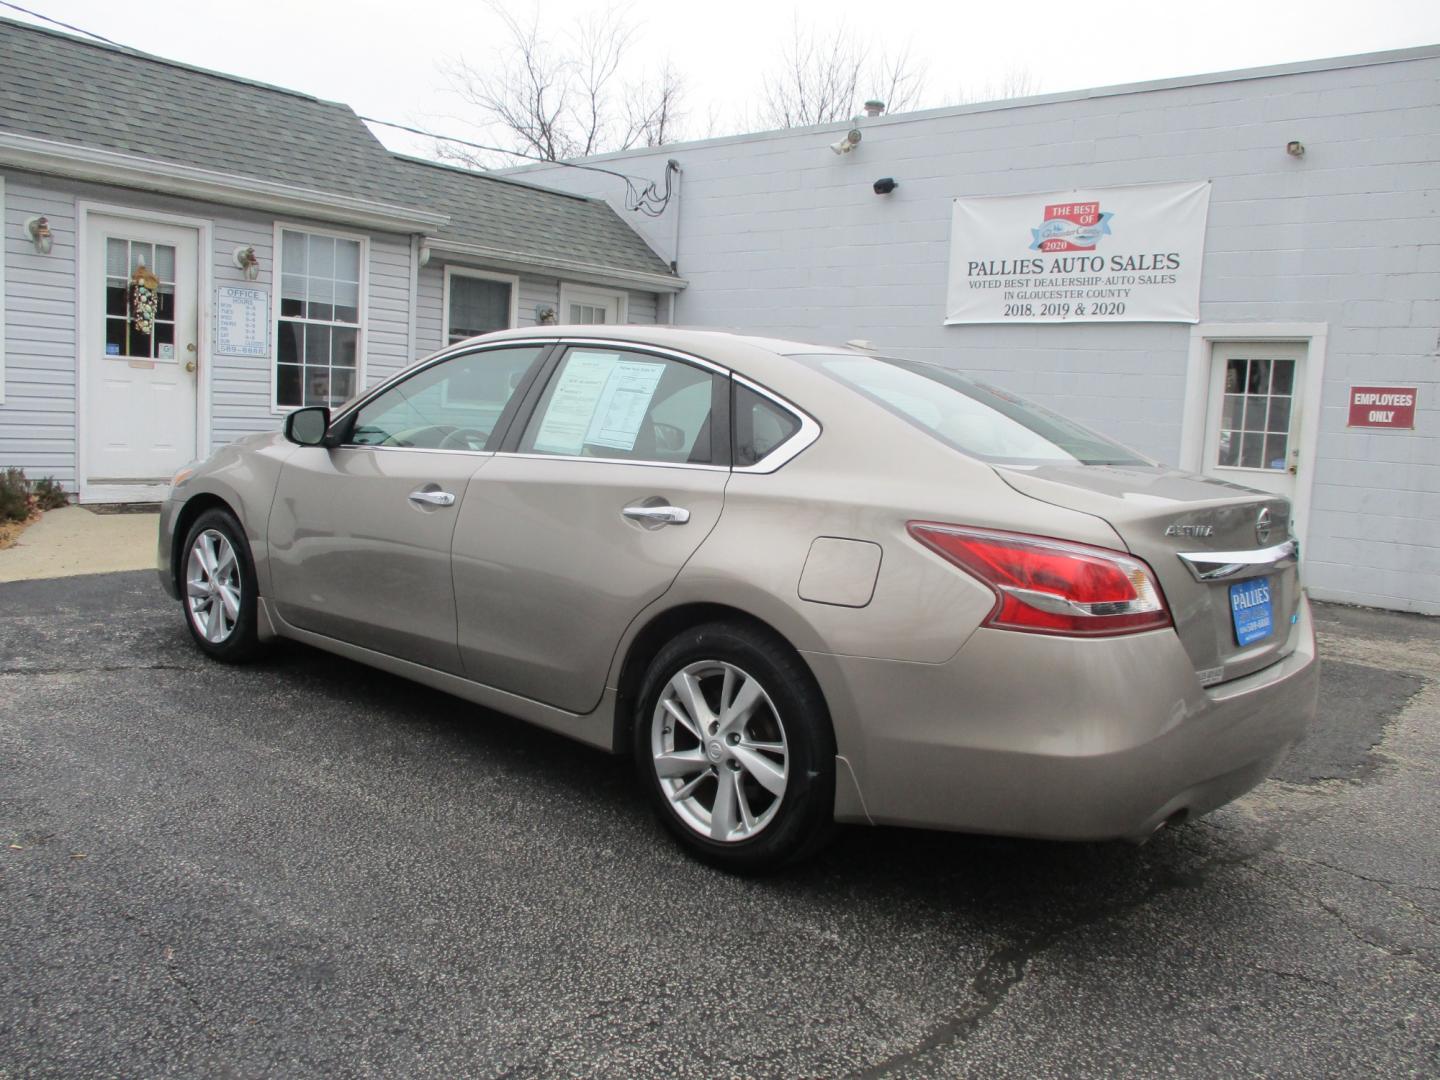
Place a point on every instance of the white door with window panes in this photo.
(1252, 432)
(318, 335)
(477, 303)
(140, 356)
(586, 306)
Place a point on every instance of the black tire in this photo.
(804, 815)
(242, 642)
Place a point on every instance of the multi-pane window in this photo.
(477, 306)
(139, 299)
(587, 313)
(317, 347)
(1255, 420)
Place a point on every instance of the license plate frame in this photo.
(1252, 610)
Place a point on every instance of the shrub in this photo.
(15, 504)
(49, 495)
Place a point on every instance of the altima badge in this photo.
(1189, 530)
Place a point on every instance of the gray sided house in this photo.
(186, 256)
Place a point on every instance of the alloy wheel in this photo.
(212, 586)
(719, 750)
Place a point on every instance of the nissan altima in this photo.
(798, 584)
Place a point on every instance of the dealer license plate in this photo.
(1251, 610)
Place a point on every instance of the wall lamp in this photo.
(248, 261)
(40, 234)
(1295, 148)
(885, 185)
(545, 315)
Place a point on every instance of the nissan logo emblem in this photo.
(1262, 527)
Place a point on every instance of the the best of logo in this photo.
(1071, 227)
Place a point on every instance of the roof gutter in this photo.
(570, 268)
(150, 174)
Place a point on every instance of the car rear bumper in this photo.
(1028, 735)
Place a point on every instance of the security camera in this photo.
(885, 185)
(848, 143)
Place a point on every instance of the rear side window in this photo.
(628, 406)
(979, 420)
(761, 426)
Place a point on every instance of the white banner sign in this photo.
(1124, 254)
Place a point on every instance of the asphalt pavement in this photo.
(304, 867)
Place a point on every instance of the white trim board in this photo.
(1203, 338)
(512, 280)
(205, 261)
(149, 174)
(2, 290)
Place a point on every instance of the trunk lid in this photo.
(1219, 603)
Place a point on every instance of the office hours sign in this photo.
(1120, 254)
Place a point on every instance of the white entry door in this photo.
(138, 358)
(1253, 420)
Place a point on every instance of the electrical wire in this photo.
(641, 195)
(67, 26)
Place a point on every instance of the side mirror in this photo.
(308, 426)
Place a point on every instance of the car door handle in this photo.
(657, 515)
(434, 498)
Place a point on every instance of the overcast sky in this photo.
(385, 57)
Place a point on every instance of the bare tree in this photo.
(564, 99)
(827, 76)
(1018, 82)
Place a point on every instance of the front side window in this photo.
(477, 305)
(609, 403)
(453, 405)
(982, 421)
(318, 339)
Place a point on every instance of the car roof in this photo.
(753, 355)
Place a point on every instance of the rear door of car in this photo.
(610, 478)
(360, 532)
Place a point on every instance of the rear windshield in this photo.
(982, 421)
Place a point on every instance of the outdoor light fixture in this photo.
(248, 261)
(545, 315)
(848, 143)
(1295, 148)
(885, 185)
(40, 234)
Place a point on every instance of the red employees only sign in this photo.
(1382, 406)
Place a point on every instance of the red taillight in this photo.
(1050, 586)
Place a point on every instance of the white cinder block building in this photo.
(1320, 280)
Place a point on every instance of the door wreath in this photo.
(144, 300)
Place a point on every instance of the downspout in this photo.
(411, 343)
(674, 166)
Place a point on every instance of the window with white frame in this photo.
(477, 303)
(317, 340)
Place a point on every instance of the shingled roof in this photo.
(53, 86)
(531, 222)
(69, 90)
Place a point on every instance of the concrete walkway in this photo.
(74, 540)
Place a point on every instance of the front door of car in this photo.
(585, 517)
(360, 532)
